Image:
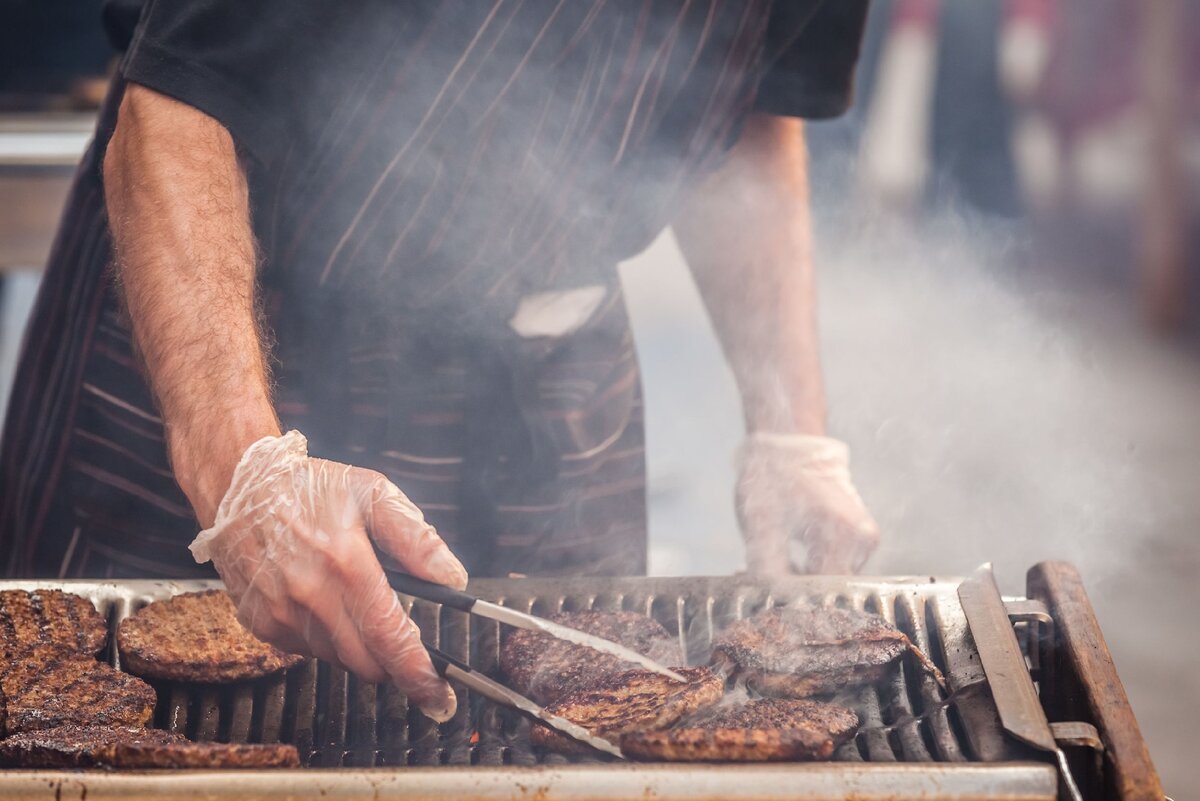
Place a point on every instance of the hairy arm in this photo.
(746, 237)
(293, 539)
(178, 207)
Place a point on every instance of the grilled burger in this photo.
(763, 730)
(801, 651)
(544, 668)
(636, 700)
(196, 636)
(75, 746)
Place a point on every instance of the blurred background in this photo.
(1008, 240)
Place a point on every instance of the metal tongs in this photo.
(452, 668)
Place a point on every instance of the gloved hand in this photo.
(292, 540)
(796, 488)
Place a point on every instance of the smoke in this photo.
(995, 410)
(984, 427)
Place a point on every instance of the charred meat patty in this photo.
(196, 636)
(635, 700)
(800, 651)
(50, 686)
(49, 617)
(762, 730)
(73, 746)
(188, 754)
(544, 668)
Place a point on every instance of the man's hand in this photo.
(291, 536)
(795, 490)
(292, 540)
(745, 234)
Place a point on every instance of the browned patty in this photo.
(74, 746)
(202, 755)
(50, 686)
(763, 730)
(807, 650)
(636, 700)
(122, 747)
(44, 617)
(196, 636)
(543, 667)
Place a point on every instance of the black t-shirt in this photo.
(481, 148)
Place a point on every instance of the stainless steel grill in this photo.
(913, 745)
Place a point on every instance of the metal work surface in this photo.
(1010, 782)
(339, 722)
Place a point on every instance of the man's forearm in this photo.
(745, 234)
(178, 208)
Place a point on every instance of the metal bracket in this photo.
(1040, 624)
(1025, 610)
(1077, 733)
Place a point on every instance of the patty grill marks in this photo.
(49, 617)
(75, 746)
(761, 730)
(544, 668)
(49, 686)
(807, 650)
(630, 701)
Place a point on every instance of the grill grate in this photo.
(337, 721)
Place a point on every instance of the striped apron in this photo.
(394, 266)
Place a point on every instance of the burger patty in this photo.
(636, 700)
(51, 686)
(801, 651)
(763, 730)
(196, 636)
(74, 746)
(187, 754)
(49, 617)
(544, 667)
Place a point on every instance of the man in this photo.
(414, 211)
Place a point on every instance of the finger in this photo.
(279, 628)
(322, 646)
(399, 528)
(333, 634)
(867, 541)
(285, 625)
(395, 641)
(837, 548)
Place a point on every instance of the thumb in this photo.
(400, 530)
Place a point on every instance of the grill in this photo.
(991, 739)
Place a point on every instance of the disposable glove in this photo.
(292, 540)
(795, 489)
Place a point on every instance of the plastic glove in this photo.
(796, 489)
(292, 540)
